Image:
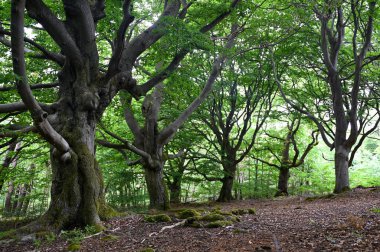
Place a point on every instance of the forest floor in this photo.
(345, 222)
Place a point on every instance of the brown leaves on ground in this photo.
(346, 222)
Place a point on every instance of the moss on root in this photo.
(212, 217)
(243, 211)
(187, 213)
(157, 218)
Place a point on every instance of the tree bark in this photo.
(158, 196)
(229, 168)
(175, 192)
(342, 183)
(282, 188)
(8, 199)
(77, 187)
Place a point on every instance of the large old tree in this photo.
(86, 83)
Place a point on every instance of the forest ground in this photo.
(346, 222)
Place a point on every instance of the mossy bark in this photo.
(158, 194)
(77, 193)
(229, 168)
(283, 178)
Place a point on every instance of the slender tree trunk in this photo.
(175, 192)
(8, 199)
(342, 182)
(6, 163)
(283, 178)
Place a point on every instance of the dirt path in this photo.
(341, 223)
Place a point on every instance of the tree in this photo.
(149, 141)
(290, 147)
(236, 112)
(87, 84)
(352, 92)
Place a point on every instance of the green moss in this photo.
(212, 217)
(106, 212)
(147, 250)
(157, 218)
(46, 235)
(239, 231)
(97, 228)
(192, 221)
(219, 211)
(74, 247)
(10, 234)
(233, 218)
(376, 210)
(187, 213)
(110, 238)
(251, 210)
(219, 223)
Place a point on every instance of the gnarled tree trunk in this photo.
(77, 185)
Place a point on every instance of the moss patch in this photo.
(187, 213)
(146, 250)
(157, 218)
(110, 238)
(212, 217)
(10, 234)
(74, 247)
(219, 223)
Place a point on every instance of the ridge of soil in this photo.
(344, 222)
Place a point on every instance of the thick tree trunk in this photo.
(283, 178)
(229, 169)
(342, 182)
(225, 194)
(158, 198)
(77, 195)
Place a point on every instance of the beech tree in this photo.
(237, 111)
(87, 83)
(345, 38)
(289, 155)
(149, 141)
